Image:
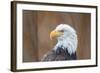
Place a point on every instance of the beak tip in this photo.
(50, 38)
(52, 34)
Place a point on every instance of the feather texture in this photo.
(65, 49)
(59, 55)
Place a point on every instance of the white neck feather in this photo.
(68, 42)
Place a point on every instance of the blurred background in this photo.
(37, 26)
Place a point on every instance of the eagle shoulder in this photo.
(50, 56)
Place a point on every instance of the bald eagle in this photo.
(65, 48)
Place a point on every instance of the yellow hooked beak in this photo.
(55, 34)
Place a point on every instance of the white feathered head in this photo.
(66, 36)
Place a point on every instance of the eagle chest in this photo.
(59, 55)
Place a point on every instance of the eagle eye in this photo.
(61, 30)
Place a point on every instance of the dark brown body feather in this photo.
(59, 55)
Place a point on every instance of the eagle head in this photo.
(66, 38)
